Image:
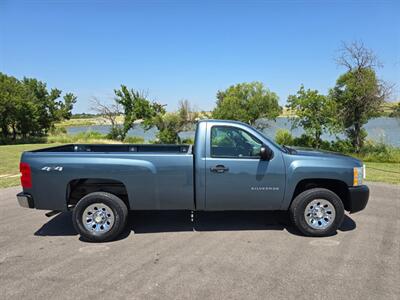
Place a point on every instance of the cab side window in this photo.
(231, 142)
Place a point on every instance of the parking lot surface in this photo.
(241, 255)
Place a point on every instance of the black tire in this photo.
(118, 208)
(300, 203)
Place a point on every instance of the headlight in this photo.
(358, 175)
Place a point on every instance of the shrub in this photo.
(284, 137)
(23, 140)
(134, 140)
(343, 146)
(189, 141)
(304, 141)
(379, 152)
(116, 133)
(57, 130)
(81, 137)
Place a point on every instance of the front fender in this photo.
(298, 170)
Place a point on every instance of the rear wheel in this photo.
(317, 212)
(100, 217)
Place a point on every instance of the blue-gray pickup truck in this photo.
(231, 166)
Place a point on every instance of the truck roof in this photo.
(223, 121)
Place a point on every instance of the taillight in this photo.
(26, 177)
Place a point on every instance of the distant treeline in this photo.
(84, 116)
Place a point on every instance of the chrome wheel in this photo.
(98, 218)
(319, 214)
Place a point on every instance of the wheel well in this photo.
(337, 186)
(78, 188)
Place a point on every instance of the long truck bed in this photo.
(149, 173)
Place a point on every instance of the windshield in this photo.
(269, 140)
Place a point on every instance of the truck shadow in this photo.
(142, 222)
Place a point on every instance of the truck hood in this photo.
(300, 151)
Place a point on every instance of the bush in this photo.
(82, 137)
(188, 141)
(284, 137)
(343, 146)
(379, 152)
(304, 141)
(167, 136)
(116, 133)
(57, 130)
(23, 140)
(134, 140)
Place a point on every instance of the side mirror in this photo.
(266, 153)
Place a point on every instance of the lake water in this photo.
(383, 129)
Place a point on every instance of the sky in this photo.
(176, 50)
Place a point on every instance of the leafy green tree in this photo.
(27, 108)
(10, 91)
(314, 112)
(169, 125)
(358, 93)
(246, 102)
(65, 110)
(136, 107)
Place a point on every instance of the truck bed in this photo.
(153, 176)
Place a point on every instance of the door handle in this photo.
(219, 169)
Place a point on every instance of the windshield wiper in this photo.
(288, 149)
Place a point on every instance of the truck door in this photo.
(236, 177)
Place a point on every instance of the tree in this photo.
(65, 111)
(136, 107)
(314, 112)
(358, 92)
(27, 108)
(10, 91)
(110, 113)
(169, 125)
(246, 102)
(187, 112)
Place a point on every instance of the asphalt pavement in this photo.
(241, 255)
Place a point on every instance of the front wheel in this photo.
(100, 217)
(317, 212)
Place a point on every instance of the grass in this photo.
(10, 156)
(383, 172)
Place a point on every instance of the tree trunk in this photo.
(14, 132)
(317, 137)
(357, 137)
(4, 131)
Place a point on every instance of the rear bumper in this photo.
(25, 200)
(358, 198)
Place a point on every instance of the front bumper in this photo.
(357, 198)
(25, 200)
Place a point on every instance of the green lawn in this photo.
(9, 164)
(383, 172)
(10, 155)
